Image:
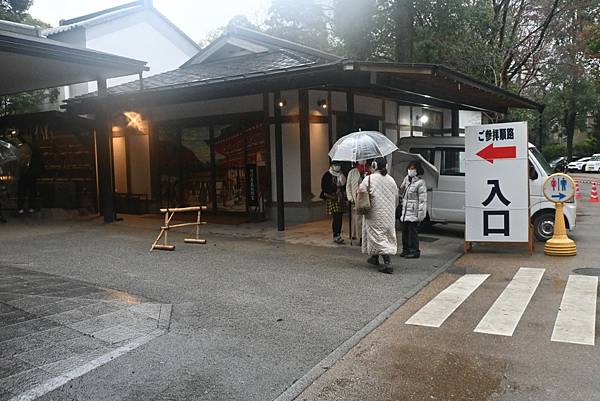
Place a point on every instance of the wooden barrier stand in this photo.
(164, 230)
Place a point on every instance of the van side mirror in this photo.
(533, 174)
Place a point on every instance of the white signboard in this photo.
(559, 188)
(496, 183)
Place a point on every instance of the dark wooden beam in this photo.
(103, 146)
(305, 173)
(213, 167)
(455, 122)
(279, 164)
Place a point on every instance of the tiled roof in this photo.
(237, 67)
(98, 19)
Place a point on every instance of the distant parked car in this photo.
(593, 165)
(578, 165)
(556, 162)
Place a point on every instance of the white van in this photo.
(446, 202)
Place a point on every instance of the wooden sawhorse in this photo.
(164, 230)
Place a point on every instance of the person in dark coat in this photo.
(332, 191)
(3, 190)
(31, 168)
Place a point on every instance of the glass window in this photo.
(541, 160)
(453, 162)
(196, 170)
(434, 122)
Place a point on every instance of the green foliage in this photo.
(14, 10)
(302, 21)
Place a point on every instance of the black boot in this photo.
(387, 265)
(374, 260)
(413, 255)
(2, 219)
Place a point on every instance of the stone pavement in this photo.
(52, 327)
(250, 317)
(455, 361)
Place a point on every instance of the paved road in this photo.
(249, 317)
(497, 326)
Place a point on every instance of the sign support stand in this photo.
(560, 244)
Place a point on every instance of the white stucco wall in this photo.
(368, 105)
(319, 160)
(338, 101)
(467, 118)
(313, 99)
(143, 36)
(139, 161)
(292, 190)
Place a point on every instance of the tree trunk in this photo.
(570, 116)
(405, 15)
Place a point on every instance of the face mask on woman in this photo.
(412, 172)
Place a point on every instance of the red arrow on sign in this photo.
(490, 153)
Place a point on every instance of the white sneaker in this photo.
(31, 210)
(21, 211)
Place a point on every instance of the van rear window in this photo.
(453, 162)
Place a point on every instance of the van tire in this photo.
(543, 226)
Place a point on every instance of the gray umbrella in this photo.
(400, 161)
(8, 153)
(362, 145)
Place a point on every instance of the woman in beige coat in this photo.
(379, 223)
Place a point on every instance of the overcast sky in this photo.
(195, 17)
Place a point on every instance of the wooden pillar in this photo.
(350, 110)
(455, 122)
(213, 167)
(540, 128)
(279, 163)
(268, 195)
(103, 145)
(153, 143)
(305, 171)
(329, 120)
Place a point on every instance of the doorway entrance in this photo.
(221, 165)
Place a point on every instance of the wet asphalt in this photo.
(453, 363)
(249, 318)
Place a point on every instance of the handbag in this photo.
(363, 199)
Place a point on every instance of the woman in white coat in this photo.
(379, 223)
(414, 209)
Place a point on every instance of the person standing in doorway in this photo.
(413, 191)
(332, 191)
(379, 223)
(31, 168)
(355, 177)
(3, 191)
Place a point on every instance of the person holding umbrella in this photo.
(379, 224)
(332, 184)
(379, 189)
(355, 177)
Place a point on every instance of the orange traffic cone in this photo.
(577, 193)
(594, 194)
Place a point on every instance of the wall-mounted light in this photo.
(281, 103)
(424, 118)
(322, 103)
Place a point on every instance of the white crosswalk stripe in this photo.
(504, 315)
(446, 302)
(576, 319)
